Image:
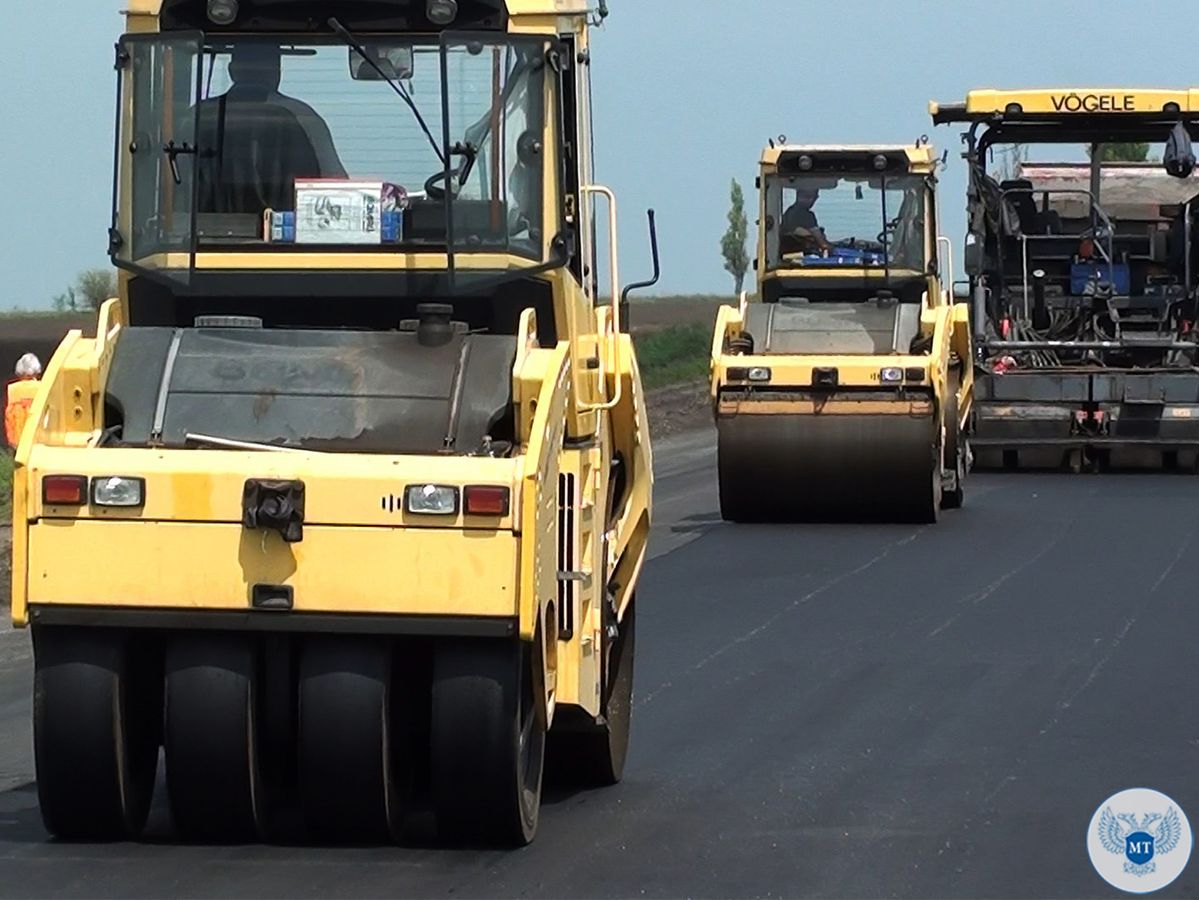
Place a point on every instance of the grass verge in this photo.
(5, 486)
(673, 355)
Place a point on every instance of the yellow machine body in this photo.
(842, 389)
(550, 572)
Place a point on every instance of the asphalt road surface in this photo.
(821, 711)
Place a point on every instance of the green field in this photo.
(674, 355)
(5, 486)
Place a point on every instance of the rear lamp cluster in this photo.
(446, 500)
(127, 492)
(113, 491)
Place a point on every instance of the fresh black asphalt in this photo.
(844, 711)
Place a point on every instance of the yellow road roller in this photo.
(345, 505)
(842, 390)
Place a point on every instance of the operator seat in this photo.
(251, 154)
(1019, 193)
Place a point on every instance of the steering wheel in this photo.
(889, 228)
(434, 186)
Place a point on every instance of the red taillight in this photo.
(486, 500)
(64, 490)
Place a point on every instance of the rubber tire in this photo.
(353, 772)
(212, 739)
(927, 510)
(487, 743)
(595, 757)
(96, 717)
(955, 446)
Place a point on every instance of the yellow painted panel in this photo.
(346, 260)
(352, 570)
(826, 273)
(539, 494)
(1082, 100)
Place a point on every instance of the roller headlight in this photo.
(122, 491)
(431, 500)
(891, 375)
(442, 12)
(222, 12)
(758, 374)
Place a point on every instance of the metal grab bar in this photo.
(591, 190)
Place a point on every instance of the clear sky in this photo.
(687, 93)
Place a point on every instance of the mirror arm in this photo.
(657, 276)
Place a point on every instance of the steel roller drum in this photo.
(840, 467)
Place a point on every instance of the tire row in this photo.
(363, 732)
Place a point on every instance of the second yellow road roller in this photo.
(842, 390)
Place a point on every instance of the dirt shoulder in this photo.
(683, 407)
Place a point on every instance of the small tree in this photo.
(1132, 151)
(732, 245)
(96, 285)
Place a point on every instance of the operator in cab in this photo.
(255, 141)
(801, 231)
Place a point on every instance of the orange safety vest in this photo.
(16, 410)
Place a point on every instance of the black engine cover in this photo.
(362, 392)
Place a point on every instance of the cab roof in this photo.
(473, 12)
(919, 158)
(515, 7)
(1069, 103)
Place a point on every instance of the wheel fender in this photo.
(629, 428)
(539, 485)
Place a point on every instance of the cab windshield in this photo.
(287, 143)
(852, 220)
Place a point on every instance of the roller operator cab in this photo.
(840, 391)
(1081, 255)
(345, 505)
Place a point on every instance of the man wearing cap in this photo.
(801, 231)
(20, 396)
(261, 139)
